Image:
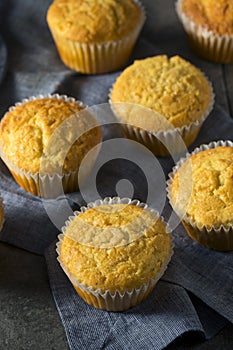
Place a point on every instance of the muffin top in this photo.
(174, 92)
(216, 16)
(115, 247)
(1, 214)
(94, 21)
(203, 187)
(37, 130)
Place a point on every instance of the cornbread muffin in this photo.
(35, 140)
(1, 214)
(160, 94)
(217, 17)
(202, 190)
(95, 36)
(114, 249)
(210, 27)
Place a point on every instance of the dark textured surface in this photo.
(28, 317)
(3, 59)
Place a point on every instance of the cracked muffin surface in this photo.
(215, 16)
(203, 187)
(170, 87)
(96, 21)
(37, 129)
(139, 247)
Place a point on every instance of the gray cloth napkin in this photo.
(195, 294)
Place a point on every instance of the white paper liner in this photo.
(106, 300)
(41, 96)
(168, 142)
(216, 237)
(44, 185)
(96, 58)
(210, 45)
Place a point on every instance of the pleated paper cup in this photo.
(97, 58)
(214, 237)
(48, 185)
(173, 140)
(207, 44)
(105, 299)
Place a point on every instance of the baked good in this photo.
(45, 137)
(201, 192)
(114, 252)
(209, 26)
(160, 98)
(95, 36)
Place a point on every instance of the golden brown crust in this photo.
(216, 16)
(204, 183)
(94, 21)
(26, 131)
(120, 267)
(173, 88)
